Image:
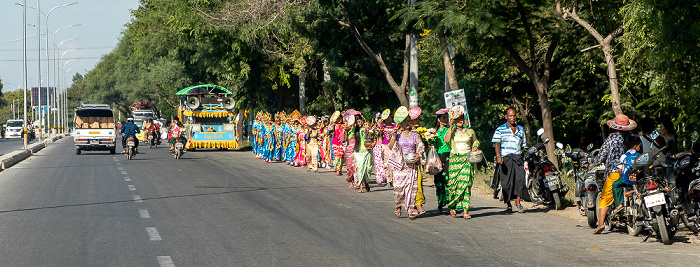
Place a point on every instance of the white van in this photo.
(13, 128)
(94, 128)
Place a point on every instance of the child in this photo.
(633, 144)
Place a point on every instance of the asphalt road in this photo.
(9, 145)
(226, 208)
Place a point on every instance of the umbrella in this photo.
(203, 90)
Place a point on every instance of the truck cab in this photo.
(13, 129)
(94, 128)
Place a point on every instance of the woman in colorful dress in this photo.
(336, 143)
(311, 144)
(462, 140)
(290, 153)
(414, 115)
(269, 141)
(349, 149)
(377, 153)
(406, 147)
(323, 145)
(443, 150)
(363, 156)
(388, 130)
(300, 158)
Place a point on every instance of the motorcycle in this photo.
(542, 177)
(179, 147)
(130, 148)
(631, 213)
(686, 181)
(152, 139)
(587, 186)
(654, 212)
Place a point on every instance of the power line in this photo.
(76, 58)
(43, 49)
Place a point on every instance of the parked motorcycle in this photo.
(542, 177)
(130, 148)
(653, 189)
(631, 214)
(585, 176)
(685, 179)
(179, 148)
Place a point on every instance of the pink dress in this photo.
(300, 157)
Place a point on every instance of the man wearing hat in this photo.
(612, 150)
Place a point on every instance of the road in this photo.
(226, 208)
(9, 145)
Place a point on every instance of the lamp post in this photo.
(52, 97)
(57, 83)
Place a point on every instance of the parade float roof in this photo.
(203, 90)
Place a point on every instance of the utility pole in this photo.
(413, 69)
(302, 93)
(24, 60)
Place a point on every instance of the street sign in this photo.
(456, 98)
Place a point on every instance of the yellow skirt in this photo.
(606, 197)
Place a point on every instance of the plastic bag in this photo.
(433, 165)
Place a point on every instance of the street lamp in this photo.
(53, 97)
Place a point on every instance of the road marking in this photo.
(127, 179)
(119, 164)
(120, 168)
(123, 172)
(165, 261)
(137, 198)
(132, 187)
(153, 234)
(144, 214)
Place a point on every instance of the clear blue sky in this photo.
(101, 24)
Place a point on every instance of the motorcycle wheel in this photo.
(557, 201)
(592, 219)
(150, 144)
(692, 226)
(533, 193)
(662, 229)
(632, 228)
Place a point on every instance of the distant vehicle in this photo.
(13, 128)
(142, 111)
(94, 128)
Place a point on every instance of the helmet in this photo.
(129, 119)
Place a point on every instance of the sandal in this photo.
(397, 212)
(466, 216)
(520, 209)
(453, 213)
(509, 210)
(618, 209)
(599, 230)
(412, 217)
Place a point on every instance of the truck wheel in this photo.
(113, 151)
(77, 151)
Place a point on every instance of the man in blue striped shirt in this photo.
(509, 141)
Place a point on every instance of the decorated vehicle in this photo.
(207, 113)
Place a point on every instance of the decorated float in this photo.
(207, 113)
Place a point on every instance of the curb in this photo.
(12, 158)
(36, 147)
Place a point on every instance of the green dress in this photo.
(440, 179)
(363, 160)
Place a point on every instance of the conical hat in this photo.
(400, 114)
(385, 114)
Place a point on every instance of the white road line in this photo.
(165, 261)
(120, 168)
(123, 172)
(118, 164)
(137, 198)
(127, 179)
(132, 187)
(144, 214)
(153, 234)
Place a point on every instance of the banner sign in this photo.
(456, 98)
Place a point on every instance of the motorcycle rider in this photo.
(153, 128)
(609, 153)
(174, 133)
(634, 144)
(130, 129)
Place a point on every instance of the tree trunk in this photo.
(447, 61)
(612, 79)
(546, 121)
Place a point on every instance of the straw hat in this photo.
(622, 123)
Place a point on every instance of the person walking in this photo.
(377, 153)
(349, 148)
(462, 141)
(336, 143)
(611, 151)
(406, 148)
(388, 131)
(443, 150)
(414, 115)
(311, 144)
(509, 141)
(363, 157)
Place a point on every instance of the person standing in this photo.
(363, 157)
(311, 144)
(509, 141)
(349, 148)
(269, 140)
(377, 153)
(406, 148)
(462, 141)
(443, 150)
(611, 151)
(336, 143)
(388, 130)
(414, 115)
(300, 158)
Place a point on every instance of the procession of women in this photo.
(391, 146)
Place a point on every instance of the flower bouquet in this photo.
(428, 135)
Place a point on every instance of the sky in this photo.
(101, 24)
